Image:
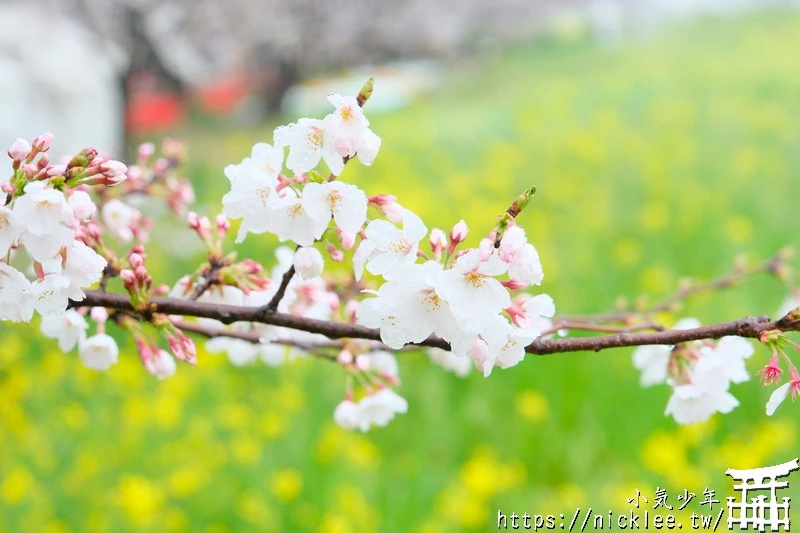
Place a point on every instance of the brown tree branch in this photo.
(745, 327)
(272, 306)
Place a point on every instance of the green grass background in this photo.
(665, 158)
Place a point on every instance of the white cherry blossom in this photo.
(82, 267)
(16, 295)
(99, 352)
(384, 363)
(391, 247)
(506, 343)
(252, 197)
(69, 328)
(46, 219)
(9, 230)
(522, 258)
(162, 365)
(309, 140)
(653, 360)
(409, 307)
(50, 297)
(345, 202)
(120, 218)
(292, 222)
(706, 393)
(268, 159)
(308, 262)
(350, 130)
(458, 365)
(347, 414)
(378, 408)
(239, 352)
(82, 205)
(472, 291)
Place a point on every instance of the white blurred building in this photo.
(57, 76)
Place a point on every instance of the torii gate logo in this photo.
(758, 511)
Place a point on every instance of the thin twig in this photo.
(272, 306)
(255, 338)
(774, 266)
(560, 325)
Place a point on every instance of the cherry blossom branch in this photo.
(745, 327)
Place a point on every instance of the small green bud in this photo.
(365, 92)
(519, 204)
(315, 176)
(82, 158)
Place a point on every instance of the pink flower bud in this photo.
(350, 309)
(141, 274)
(438, 242)
(458, 233)
(345, 357)
(99, 314)
(7, 187)
(134, 174)
(30, 169)
(283, 182)
(348, 240)
(56, 170)
(300, 179)
(136, 260)
(519, 316)
(42, 162)
(382, 199)
(42, 142)
(253, 267)
(145, 151)
(93, 230)
(194, 220)
(128, 277)
(162, 290)
(19, 150)
(160, 166)
(114, 172)
(223, 225)
(336, 254)
(205, 226)
(512, 284)
(362, 361)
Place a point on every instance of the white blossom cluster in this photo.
(463, 296)
(44, 259)
(700, 374)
